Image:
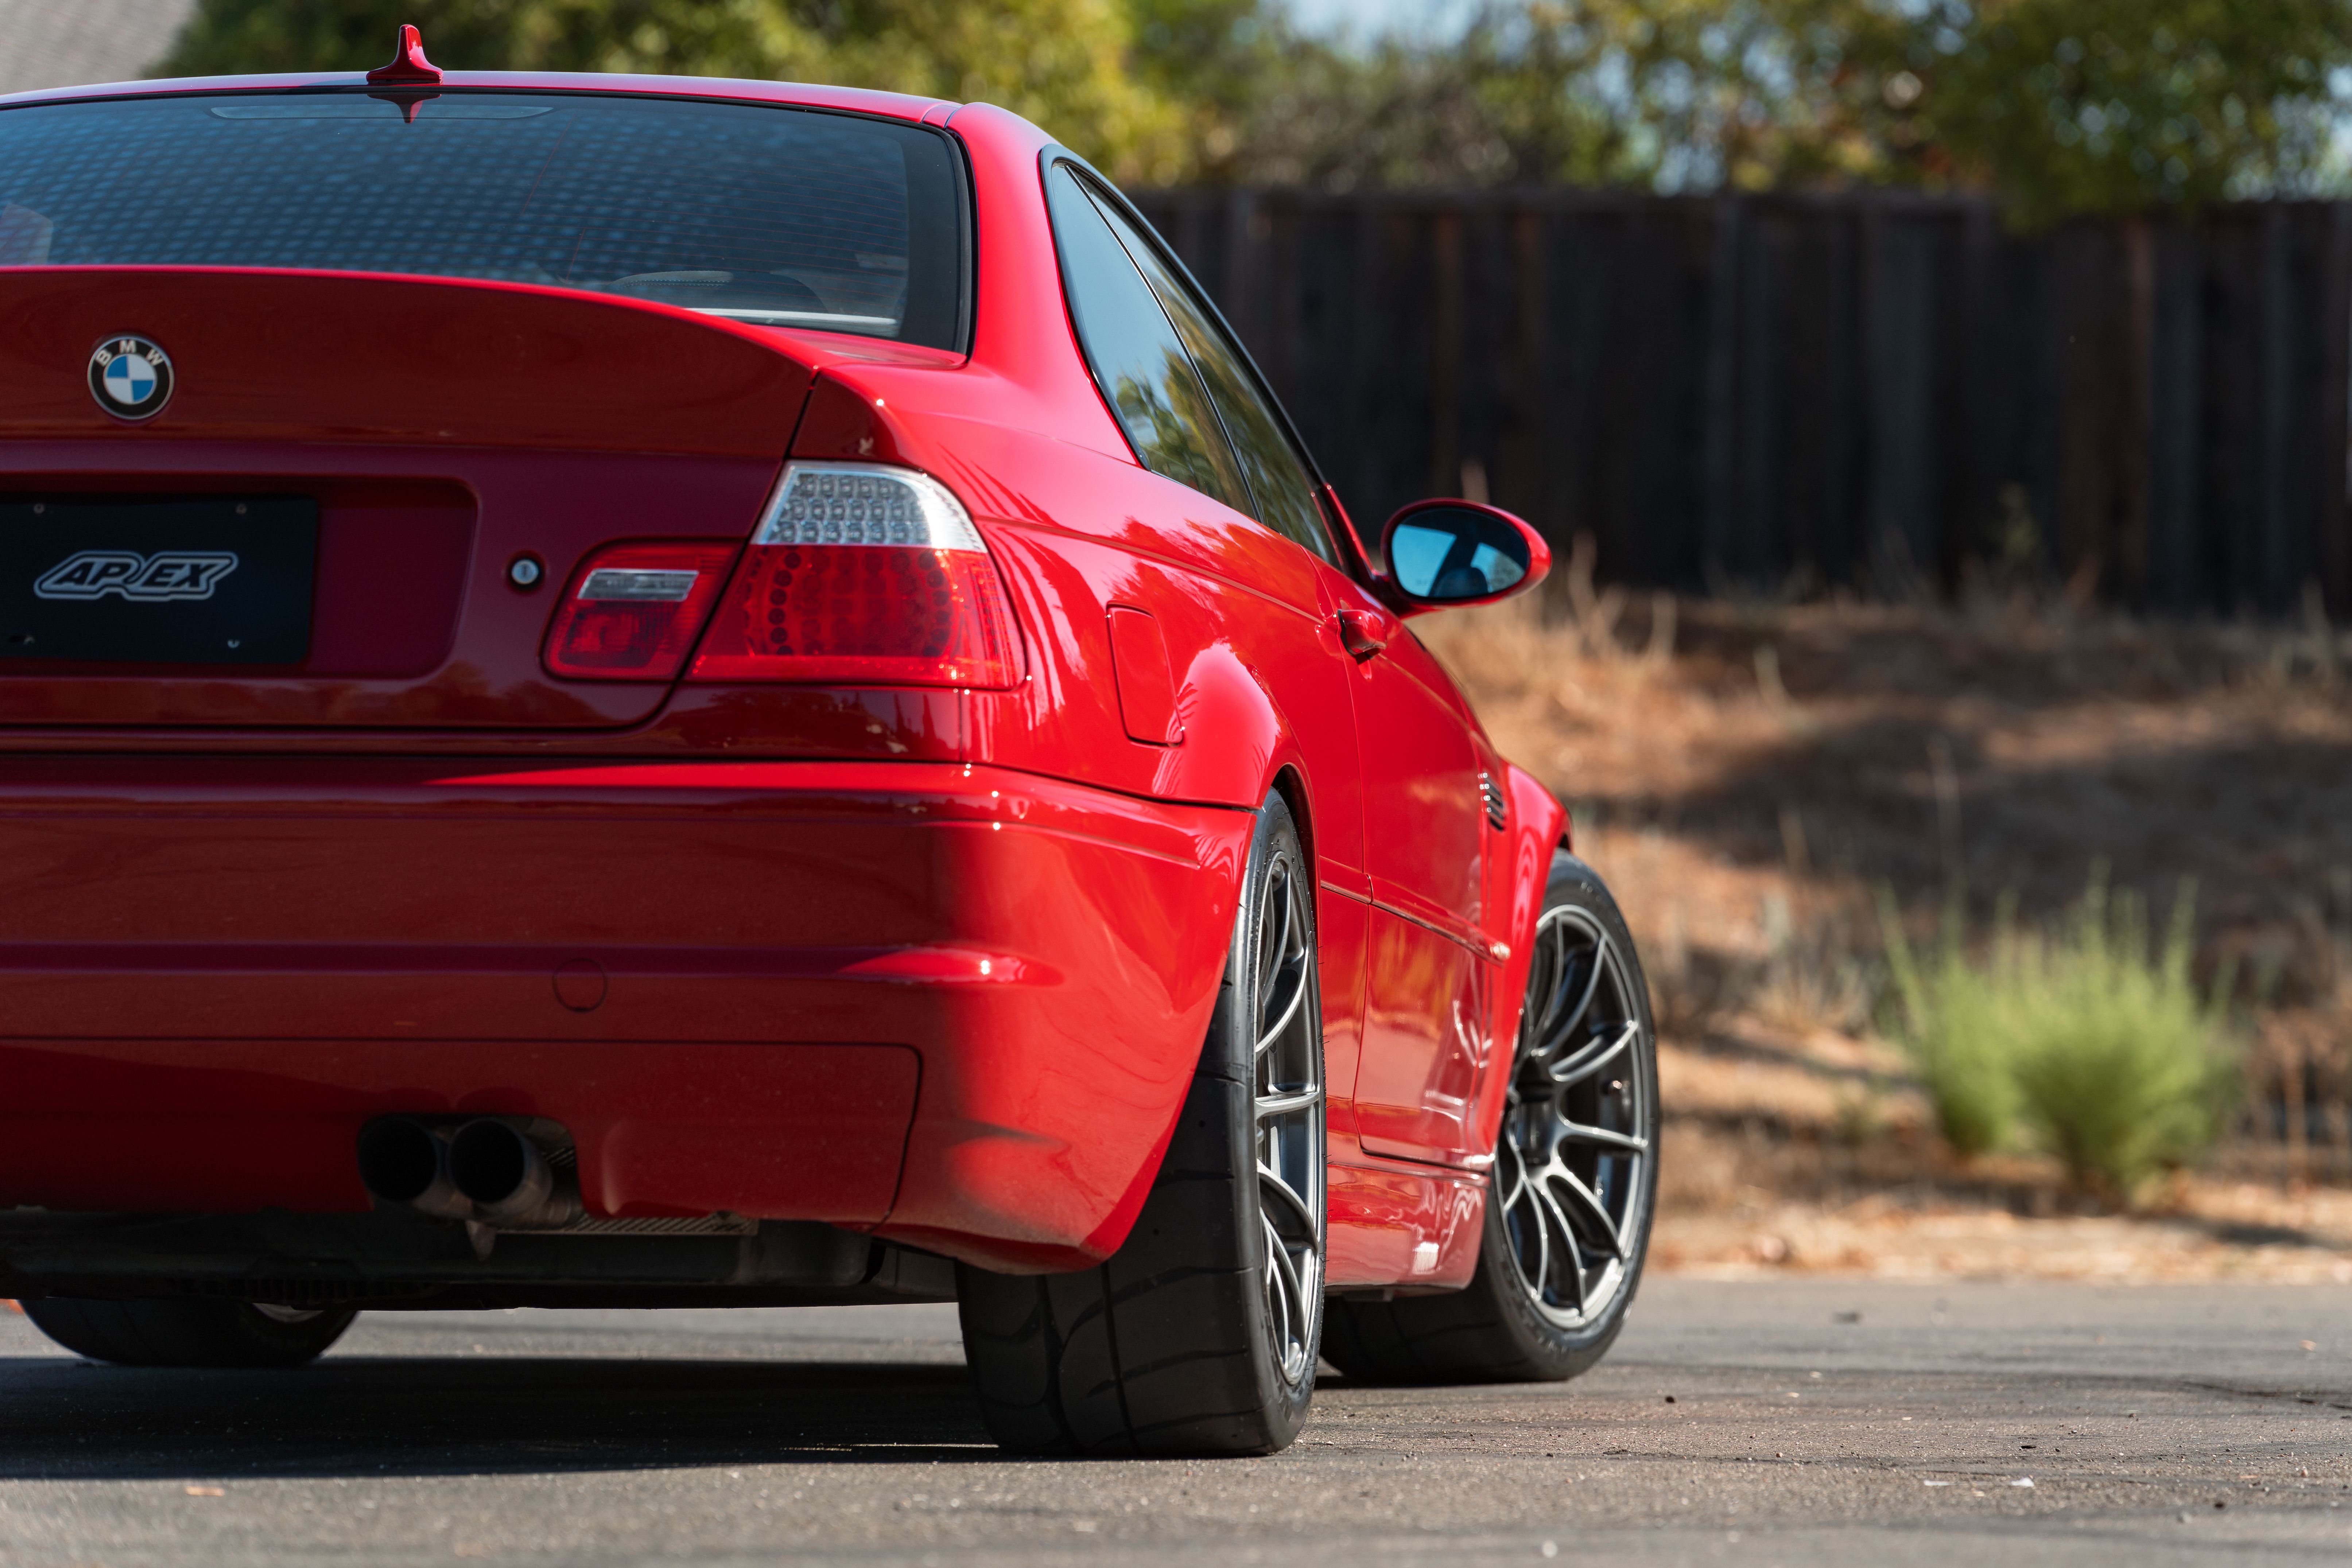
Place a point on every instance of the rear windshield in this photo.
(786, 216)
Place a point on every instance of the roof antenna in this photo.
(409, 66)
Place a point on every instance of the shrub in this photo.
(2101, 1050)
(1950, 1023)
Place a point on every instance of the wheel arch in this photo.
(1535, 827)
(1289, 782)
(1286, 779)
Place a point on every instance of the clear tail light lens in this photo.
(862, 574)
(631, 611)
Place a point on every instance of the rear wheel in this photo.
(1575, 1177)
(1199, 1335)
(189, 1334)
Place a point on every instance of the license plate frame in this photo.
(147, 580)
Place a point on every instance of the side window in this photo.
(1285, 496)
(1136, 358)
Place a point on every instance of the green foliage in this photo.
(2104, 1054)
(1951, 1025)
(2058, 106)
(1062, 63)
(727, 38)
(2121, 1066)
(1590, 92)
(2091, 105)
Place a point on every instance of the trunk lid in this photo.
(436, 430)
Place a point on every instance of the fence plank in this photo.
(1768, 389)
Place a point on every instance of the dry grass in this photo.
(1746, 773)
(2213, 1230)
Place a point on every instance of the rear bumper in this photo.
(957, 1005)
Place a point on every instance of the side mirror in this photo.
(1439, 553)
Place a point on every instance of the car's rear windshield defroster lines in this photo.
(752, 212)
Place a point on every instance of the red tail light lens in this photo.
(863, 574)
(631, 611)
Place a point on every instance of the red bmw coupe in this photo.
(657, 692)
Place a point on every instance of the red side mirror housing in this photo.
(1436, 555)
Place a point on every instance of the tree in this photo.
(2058, 106)
(1062, 63)
(1212, 60)
(1679, 94)
(2101, 105)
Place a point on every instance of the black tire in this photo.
(187, 1334)
(1525, 1317)
(1199, 1335)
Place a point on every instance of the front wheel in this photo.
(1198, 1336)
(1574, 1181)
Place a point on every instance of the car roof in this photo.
(806, 95)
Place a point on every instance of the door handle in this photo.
(1364, 633)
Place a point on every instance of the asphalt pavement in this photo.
(1813, 1422)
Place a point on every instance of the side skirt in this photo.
(1404, 1226)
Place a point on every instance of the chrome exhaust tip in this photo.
(505, 1177)
(403, 1161)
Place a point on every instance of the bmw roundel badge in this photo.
(130, 378)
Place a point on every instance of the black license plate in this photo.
(208, 580)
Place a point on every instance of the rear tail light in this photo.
(863, 574)
(631, 611)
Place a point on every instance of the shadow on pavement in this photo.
(356, 1415)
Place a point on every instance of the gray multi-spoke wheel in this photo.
(1574, 1180)
(1286, 1079)
(1580, 1124)
(1200, 1335)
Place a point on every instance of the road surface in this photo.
(1812, 1422)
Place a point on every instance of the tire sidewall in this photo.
(1164, 1347)
(184, 1333)
(1564, 1353)
(1230, 1046)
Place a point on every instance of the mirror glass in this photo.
(1444, 554)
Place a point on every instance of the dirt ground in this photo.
(1751, 777)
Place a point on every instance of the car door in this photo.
(1426, 1040)
(1419, 974)
(1194, 412)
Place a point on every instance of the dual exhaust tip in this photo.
(488, 1170)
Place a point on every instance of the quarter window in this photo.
(1285, 496)
(1136, 356)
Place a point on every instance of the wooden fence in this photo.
(1846, 389)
